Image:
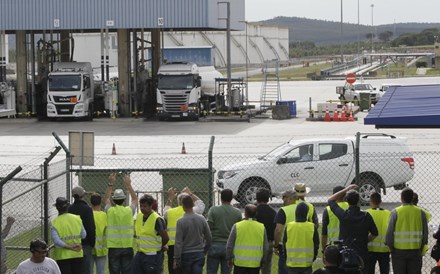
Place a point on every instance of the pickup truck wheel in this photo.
(247, 193)
(366, 187)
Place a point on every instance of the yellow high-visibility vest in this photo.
(100, 248)
(249, 241)
(146, 238)
(408, 232)
(381, 218)
(333, 223)
(69, 228)
(289, 211)
(173, 215)
(300, 245)
(120, 228)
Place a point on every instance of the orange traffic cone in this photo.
(327, 115)
(350, 119)
(114, 149)
(335, 115)
(183, 149)
(343, 117)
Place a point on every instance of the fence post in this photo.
(68, 159)
(356, 156)
(211, 171)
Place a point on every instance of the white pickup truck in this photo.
(385, 161)
(351, 92)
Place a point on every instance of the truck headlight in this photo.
(50, 106)
(226, 174)
(79, 106)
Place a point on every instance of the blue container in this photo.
(290, 104)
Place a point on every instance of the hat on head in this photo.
(301, 189)
(60, 202)
(289, 194)
(118, 194)
(78, 190)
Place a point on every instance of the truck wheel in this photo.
(90, 113)
(366, 187)
(355, 101)
(247, 193)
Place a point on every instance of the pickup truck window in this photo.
(299, 154)
(331, 151)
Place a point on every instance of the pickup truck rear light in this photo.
(410, 161)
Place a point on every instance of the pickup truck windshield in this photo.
(175, 82)
(277, 152)
(362, 87)
(65, 82)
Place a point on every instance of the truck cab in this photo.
(351, 92)
(70, 91)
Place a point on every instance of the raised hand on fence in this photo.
(112, 179)
(127, 180)
(172, 193)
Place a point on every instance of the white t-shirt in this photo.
(48, 266)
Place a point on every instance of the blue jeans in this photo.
(282, 267)
(87, 258)
(151, 264)
(100, 264)
(119, 260)
(192, 263)
(216, 257)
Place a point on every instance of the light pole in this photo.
(372, 26)
(342, 34)
(247, 63)
(358, 34)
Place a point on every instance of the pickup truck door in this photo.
(295, 166)
(333, 165)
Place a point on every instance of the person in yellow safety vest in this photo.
(415, 202)
(330, 223)
(66, 232)
(301, 191)
(247, 246)
(171, 215)
(100, 250)
(406, 235)
(120, 226)
(284, 216)
(377, 250)
(151, 238)
(301, 241)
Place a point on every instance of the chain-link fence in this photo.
(386, 164)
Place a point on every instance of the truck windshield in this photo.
(362, 87)
(175, 82)
(277, 152)
(65, 82)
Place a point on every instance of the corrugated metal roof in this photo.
(407, 107)
(130, 14)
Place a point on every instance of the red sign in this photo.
(350, 78)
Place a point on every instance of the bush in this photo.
(421, 64)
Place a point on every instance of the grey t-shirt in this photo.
(48, 266)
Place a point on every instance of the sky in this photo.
(383, 12)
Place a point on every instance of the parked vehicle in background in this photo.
(385, 161)
(351, 92)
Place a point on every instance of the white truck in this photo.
(184, 90)
(70, 90)
(351, 92)
(384, 161)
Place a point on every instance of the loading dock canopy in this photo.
(407, 107)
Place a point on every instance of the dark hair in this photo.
(407, 195)
(331, 254)
(95, 199)
(146, 199)
(336, 189)
(187, 202)
(352, 197)
(250, 211)
(415, 199)
(118, 202)
(376, 198)
(435, 270)
(37, 243)
(263, 195)
(226, 195)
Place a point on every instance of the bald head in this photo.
(250, 211)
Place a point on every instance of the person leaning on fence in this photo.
(330, 223)
(5, 232)
(193, 239)
(377, 250)
(66, 232)
(406, 235)
(301, 242)
(220, 220)
(301, 192)
(285, 215)
(247, 245)
(266, 215)
(330, 259)
(85, 212)
(99, 251)
(38, 262)
(120, 229)
(151, 238)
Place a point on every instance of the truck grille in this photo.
(173, 103)
(65, 109)
(64, 99)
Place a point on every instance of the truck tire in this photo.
(366, 187)
(247, 193)
(90, 113)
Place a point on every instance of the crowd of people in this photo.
(352, 240)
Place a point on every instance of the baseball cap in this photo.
(118, 194)
(61, 201)
(78, 190)
(301, 189)
(289, 194)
